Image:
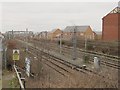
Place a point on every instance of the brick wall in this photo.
(110, 27)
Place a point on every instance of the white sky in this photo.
(40, 16)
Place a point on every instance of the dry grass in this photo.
(49, 78)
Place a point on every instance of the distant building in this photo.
(82, 32)
(22, 34)
(111, 25)
(42, 35)
(54, 34)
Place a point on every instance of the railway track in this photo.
(109, 62)
(57, 62)
(62, 61)
(110, 57)
(55, 66)
(106, 60)
(115, 58)
(82, 50)
(68, 64)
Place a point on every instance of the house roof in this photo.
(77, 28)
(54, 30)
(115, 10)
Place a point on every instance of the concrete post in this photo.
(96, 63)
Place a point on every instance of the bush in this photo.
(86, 58)
(14, 82)
(90, 47)
(11, 44)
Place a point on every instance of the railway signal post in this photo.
(16, 53)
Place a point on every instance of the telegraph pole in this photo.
(12, 34)
(26, 40)
(46, 39)
(47, 47)
(26, 58)
(5, 57)
(85, 43)
(61, 42)
(74, 44)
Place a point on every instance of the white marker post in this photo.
(27, 66)
(96, 63)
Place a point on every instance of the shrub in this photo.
(86, 58)
(14, 82)
(90, 47)
(11, 44)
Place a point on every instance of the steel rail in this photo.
(19, 78)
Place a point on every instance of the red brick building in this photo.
(111, 25)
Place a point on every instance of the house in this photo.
(42, 35)
(98, 35)
(111, 25)
(82, 32)
(54, 34)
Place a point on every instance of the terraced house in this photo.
(82, 32)
(54, 34)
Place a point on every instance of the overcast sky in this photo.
(40, 16)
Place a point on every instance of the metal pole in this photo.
(26, 41)
(74, 44)
(12, 34)
(85, 48)
(8, 35)
(5, 58)
(60, 43)
(46, 39)
(85, 43)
